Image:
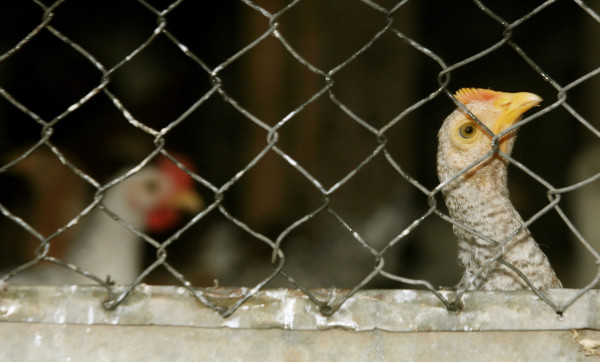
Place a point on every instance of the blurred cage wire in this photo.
(311, 129)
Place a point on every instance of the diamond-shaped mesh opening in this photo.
(218, 138)
(307, 138)
(381, 75)
(311, 255)
(105, 142)
(112, 38)
(261, 92)
(33, 73)
(357, 22)
(159, 84)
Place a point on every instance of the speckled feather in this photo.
(479, 199)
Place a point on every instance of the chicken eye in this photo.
(467, 130)
(151, 186)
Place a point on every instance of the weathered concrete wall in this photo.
(166, 323)
(72, 342)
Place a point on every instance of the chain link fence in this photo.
(309, 131)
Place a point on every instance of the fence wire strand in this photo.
(219, 89)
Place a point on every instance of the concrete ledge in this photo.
(385, 310)
(40, 323)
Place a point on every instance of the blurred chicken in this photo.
(46, 194)
(479, 198)
(149, 200)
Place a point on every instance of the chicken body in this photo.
(479, 198)
(150, 200)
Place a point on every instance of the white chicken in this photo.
(150, 200)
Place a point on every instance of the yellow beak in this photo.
(188, 200)
(514, 105)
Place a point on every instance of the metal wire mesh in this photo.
(268, 26)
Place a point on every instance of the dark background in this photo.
(161, 82)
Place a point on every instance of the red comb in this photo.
(181, 178)
(162, 219)
(467, 95)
